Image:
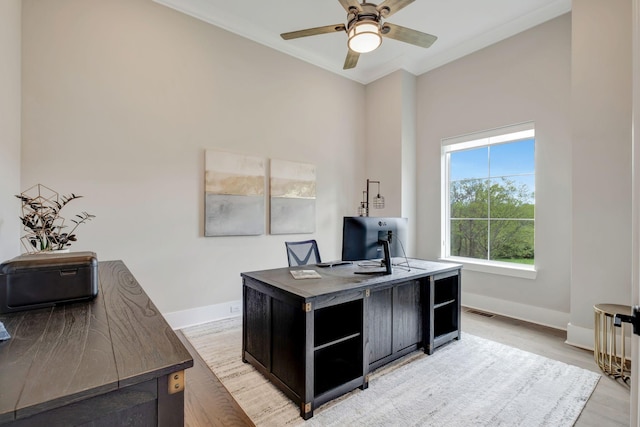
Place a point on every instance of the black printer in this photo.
(46, 279)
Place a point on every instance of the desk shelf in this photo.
(335, 323)
(338, 345)
(338, 341)
(444, 312)
(444, 322)
(337, 364)
(444, 304)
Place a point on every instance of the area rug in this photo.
(470, 382)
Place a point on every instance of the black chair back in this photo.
(302, 253)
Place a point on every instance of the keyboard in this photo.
(333, 263)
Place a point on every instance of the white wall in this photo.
(391, 146)
(10, 36)
(601, 133)
(409, 162)
(121, 100)
(523, 78)
(383, 157)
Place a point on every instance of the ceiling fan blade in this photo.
(348, 4)
(407, 35)
(389, 7)
(313, 31)
(352, 60)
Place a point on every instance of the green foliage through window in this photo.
(491, 193)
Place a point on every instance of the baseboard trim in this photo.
(579, 336)
(528, 313)
(196, 316)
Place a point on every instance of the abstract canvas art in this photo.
(293, 197)
(234, 194)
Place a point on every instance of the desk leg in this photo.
(428, 300)
(306, 408)
(365, 340)
(171, 400)
(244, 321)
(365, 383)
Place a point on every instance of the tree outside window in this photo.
(491, 199)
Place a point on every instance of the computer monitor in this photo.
(366, 238)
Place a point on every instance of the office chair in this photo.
(302, 253)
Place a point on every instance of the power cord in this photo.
(406, 260)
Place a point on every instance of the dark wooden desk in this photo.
(112, 361)
(317, 339)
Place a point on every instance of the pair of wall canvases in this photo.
(236, 195)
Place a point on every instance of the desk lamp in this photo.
(378, 201)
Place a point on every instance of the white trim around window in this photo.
(495, 267)
(510, 133)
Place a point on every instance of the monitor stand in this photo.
(386, 261)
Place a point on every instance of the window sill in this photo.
(496, 267)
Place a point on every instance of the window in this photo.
(489, 195)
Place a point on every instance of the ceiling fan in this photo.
(366, 29)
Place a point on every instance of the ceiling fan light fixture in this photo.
(364, 36)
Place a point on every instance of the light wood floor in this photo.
(207, 403)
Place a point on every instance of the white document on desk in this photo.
(305, 274)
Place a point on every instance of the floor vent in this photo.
(479, 313)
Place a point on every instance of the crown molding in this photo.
(205, 11)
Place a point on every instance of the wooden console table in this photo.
(111, 361)
(317, 339)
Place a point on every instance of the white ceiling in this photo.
(462, 27)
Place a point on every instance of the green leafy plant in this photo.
(41, 218)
